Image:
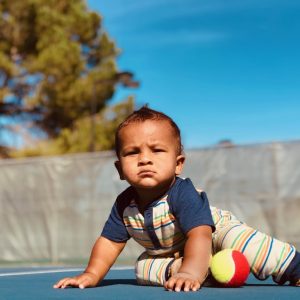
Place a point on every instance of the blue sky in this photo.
(222, 69)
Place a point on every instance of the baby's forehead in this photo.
(148, 127)
(158, 123)
(149, 131)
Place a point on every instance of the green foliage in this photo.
(97, 133)
(56, 67)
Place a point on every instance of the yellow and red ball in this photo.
(230, 268)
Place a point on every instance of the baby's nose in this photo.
(144, 158)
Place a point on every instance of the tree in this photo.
(100, 133)
(56, 64)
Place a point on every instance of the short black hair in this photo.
(143, 114)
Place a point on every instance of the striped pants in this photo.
(267, 256)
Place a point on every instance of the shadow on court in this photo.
(121, 284)
(107, 282)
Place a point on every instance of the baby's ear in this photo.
(119, 169)
(179, 164)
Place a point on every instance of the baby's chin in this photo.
(152, 184)
(146, 183)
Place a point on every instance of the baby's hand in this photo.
(82, 281)
(182, 281)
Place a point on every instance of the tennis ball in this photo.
(230, 268)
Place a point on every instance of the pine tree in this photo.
(56, 64)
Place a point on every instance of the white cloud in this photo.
(190, 37)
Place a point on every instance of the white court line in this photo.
(38, 272)
(54, 271)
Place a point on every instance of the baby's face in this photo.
(148, 157)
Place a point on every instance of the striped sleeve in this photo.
(114, 228)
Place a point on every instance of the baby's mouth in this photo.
(146, 173)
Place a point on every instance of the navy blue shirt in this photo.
(189, 208)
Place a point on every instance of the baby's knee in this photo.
(152, 270)
(139, 268)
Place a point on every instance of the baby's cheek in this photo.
(130, 173)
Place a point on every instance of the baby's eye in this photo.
(130, 153)
(158, 150)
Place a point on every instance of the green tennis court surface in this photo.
(36, 283)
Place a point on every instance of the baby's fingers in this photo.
(60, 283)
(187, 285)
(84, 282)
(182, 284)
(169, 285)
(195, 286)
(66, 282)
(174, 284)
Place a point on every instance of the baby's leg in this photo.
(292, 273)
(267, 256)
(152, 270)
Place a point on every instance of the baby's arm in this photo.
(194, 268)
(103, 255)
